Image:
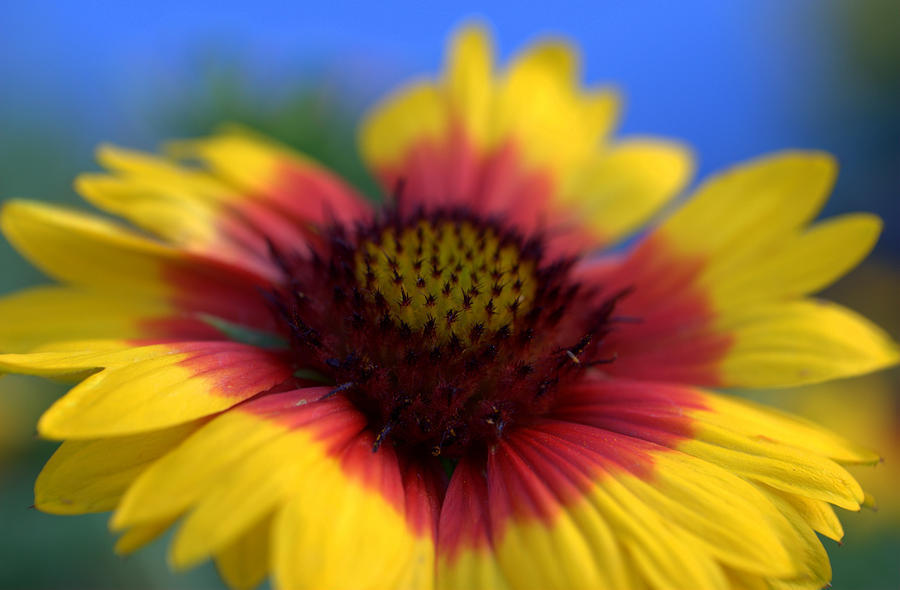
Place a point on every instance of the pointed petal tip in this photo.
(47, 428)
(869, 502)
(106, 153)
(472, 29)
(180, 556)
(118, 522)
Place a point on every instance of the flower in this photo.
(453, 390)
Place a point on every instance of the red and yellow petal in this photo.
(634, 486)
(251, 194)
(594, 508)
(527, 144)
(675, 416)
(769, 448)
(716, 291)
(284, 181)
(97, 254)
(188, 208)
(258, 461)
(133, 390)
(465, 537)
(42, 317)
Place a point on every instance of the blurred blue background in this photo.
(734, 79)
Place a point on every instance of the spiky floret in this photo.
(443, 328)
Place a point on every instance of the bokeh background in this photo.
(734, 79)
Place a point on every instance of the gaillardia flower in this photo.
(457, 389)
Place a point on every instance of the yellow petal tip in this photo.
(869, 502)
(183, 556)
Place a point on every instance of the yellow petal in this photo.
(183, 476)
(723, 515)
(536, 112)
(801, 342)
(776, 465)
(414, 114)
(166, 209)
(576, 547)
(764, 423)
(90, 251)
(663, 554)
(555, 56)
(245, 563)
(618, 190)
(43, 315)
(337, 534)
(149, 387)
(817, 514)
(816, 571)
(91, 475)
(608, 528)
(576, 551)
(84, 249)
(243, 495)
(472, 568)
(135, 164)
(274, 177)
(140, 535)
(247, 160)
(735, 214)
(804, 263)
(469, 83)
(539, 110)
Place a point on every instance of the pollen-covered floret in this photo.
(448, 278)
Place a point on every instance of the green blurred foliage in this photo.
(37, 161)
(314, 117)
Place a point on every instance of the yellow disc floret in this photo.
(448, 278)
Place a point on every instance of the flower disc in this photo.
(444, 329)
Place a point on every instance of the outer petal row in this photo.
(286, 483)
(728, 489)
(250, 193)
(341, 516)
(526, 146)
(102, 257)
(643, 485)
(216, 225)
(716, 291)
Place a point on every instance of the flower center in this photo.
(444, 329)
(450, 279)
